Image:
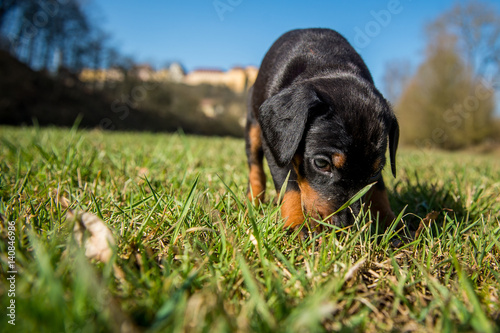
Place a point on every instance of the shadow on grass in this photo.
(422, 197)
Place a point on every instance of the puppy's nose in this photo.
(343, 218)
(346, 217)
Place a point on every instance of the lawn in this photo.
(193, 255)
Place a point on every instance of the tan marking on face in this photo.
(376, 164)
(312, 202)
(338, 160)
(296, 162)
(257, 179)
(291, 209)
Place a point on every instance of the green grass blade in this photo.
(355, 198)
(256, 298)
(185, 209)
(479, 319)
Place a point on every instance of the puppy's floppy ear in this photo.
(283, 119)
(393, 142)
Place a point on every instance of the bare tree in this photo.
(96, 45)
(476, 26)
(7, 6)
(448, 103)
(397, 74)
(74, 30)
(48, 34)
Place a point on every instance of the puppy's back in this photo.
(302, 54)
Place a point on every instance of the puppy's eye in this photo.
(375, 176)
(322, 164)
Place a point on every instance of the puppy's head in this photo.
(335, 133)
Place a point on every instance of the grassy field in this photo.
(193, 255)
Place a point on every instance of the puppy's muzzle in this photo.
(347, 216)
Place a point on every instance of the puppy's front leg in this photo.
(255, 155)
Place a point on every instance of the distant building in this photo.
(143, 72)
(251, 72)
(176, 72)
(237, 79)
(101, 75)
(204, 76)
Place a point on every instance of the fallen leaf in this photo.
(101, 242)
(426, 222)
(100, 245)
(354, 269)
(143, 172)
(252, 238)
(64, 202)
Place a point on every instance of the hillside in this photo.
(59, 100)
(26, 94)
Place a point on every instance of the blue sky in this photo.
(226, 33)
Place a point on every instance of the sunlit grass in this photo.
(197, 257)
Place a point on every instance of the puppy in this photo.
(315, 114)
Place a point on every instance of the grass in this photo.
(195, 256)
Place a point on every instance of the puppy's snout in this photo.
(342, 219)
(346, 217)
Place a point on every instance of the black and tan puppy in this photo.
(315, 113)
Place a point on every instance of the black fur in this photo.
(315, 97)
